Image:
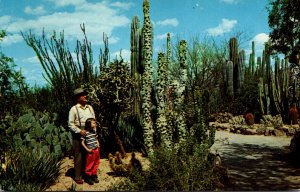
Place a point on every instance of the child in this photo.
(92, 146)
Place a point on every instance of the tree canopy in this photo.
(284, 21)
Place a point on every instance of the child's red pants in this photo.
(92, 162)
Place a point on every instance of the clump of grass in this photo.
(28, 170)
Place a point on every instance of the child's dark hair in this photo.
(88, 123)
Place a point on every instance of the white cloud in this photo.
(224, 27)
(125, 53)
(4, 20)
(11, 39)
(122, 5)
(259, 41)
(229, 1)
(33, 60)
(62, 3)
(39, 10)
(172, 22)
(164, 36)
(261, 38)
(97, 17)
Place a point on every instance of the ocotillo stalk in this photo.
(147, 79)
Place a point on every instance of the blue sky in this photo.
(183, 18)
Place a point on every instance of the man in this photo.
(78, 114)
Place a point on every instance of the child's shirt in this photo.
(91, 139)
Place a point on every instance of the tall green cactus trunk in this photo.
(234, 57)
(229, 74)
(253, 64)
(147, 79)
(135, 59)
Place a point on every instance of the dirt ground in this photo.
(253, 162)
(105, 176)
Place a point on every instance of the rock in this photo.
(269, 131)
(250, 131)
(279, 132)
(260, 130)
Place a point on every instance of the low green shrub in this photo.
(170, 170)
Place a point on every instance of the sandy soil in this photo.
(105, 176)
(257, 163)
(254, 163)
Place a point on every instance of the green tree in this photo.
(12, 83)
(284, 21)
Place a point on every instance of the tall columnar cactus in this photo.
(242, 59)
(253, 67)
(229, 74)
(136, 64)
(234, 57)
(179, 102)
(147, 79)
(162, 125)
(273, 86)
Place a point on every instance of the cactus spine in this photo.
(147, 79)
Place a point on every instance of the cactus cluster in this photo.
(38, 132)
(273, 86)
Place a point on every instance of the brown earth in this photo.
(254, 162)
(105, 175)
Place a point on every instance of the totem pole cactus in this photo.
(179, 102)
(147, 79)
(162, 124)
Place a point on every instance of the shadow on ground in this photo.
(259, 167)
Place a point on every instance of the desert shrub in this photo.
(170, 170)
(29, 170)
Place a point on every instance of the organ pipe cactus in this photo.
(273, 86)
(147, 79)
(253, 64)
(229, 74)
(136, 64)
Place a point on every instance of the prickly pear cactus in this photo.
(37, 131)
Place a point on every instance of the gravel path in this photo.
(257, 162)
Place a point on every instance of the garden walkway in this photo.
(257, 162)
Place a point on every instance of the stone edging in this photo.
(256, 129)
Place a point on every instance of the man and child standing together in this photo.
(86, 147)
